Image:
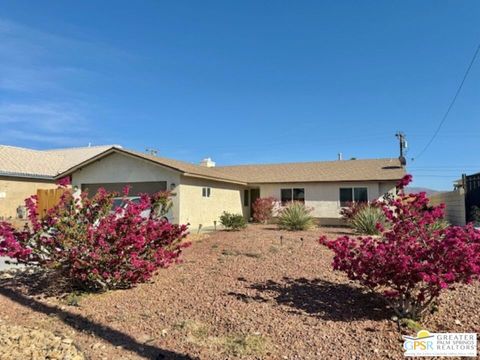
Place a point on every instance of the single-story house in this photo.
(202, 192)
(23, 171)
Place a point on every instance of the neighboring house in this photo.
(202, 192)
(24, 171)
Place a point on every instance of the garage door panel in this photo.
(136, 188)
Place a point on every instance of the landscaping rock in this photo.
(17, 342)
(222, 303)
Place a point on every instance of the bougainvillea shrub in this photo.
(413, 259)
(263, 209)
(94, 245)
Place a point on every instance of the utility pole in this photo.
(403, 146)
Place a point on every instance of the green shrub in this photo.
(366, 219)
(440, 224)
(295, 216)
(233, 221)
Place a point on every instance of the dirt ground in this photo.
(260, 293)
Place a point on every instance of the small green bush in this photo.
(295, 216)
(233, 221)
(366, 219)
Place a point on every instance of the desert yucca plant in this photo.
(295, 216)
(366, 219)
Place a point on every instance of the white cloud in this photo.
(28, 44)
(50, 140)
(39, 71)
(57, 124)
(45, 116)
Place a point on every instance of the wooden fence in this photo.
(47, 199)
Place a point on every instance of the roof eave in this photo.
(214, 178)
(26, 176)
(321, 181)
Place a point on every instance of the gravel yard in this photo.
(260, 293)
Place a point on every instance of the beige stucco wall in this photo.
(324, 198)
(196, 209)
(13, 192)
(122, 168)
(387, 187)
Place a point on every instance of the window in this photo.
(348, 195)
(295, 194)
(245, 197)
(299, 195)
(206, 192)
(286, 195)
(360, 194)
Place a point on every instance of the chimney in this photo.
(207, 162)
(340, 156)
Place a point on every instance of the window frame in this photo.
(344, 203)
(301, 190)
(292, 195)
(360, 188)
(284, 202)
(206, 191)
(352, 194)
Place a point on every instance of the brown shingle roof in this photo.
(345, 170)
(321, 171)
(185, 167)
(17, 161)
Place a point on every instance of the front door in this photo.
(254, 195)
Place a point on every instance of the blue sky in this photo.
(245, 81)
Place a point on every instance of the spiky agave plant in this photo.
(366, 219)
(296, 216)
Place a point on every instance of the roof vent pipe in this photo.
(340, 156)
(207, 162)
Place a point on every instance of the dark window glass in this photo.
(346, 196)
(245, 197)
(299, 195)
(360, 194)
(206, 192)
(286, 195)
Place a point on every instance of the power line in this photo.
(451, 104)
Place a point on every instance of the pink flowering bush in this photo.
(413, 259)
(93, 245)
(263, 209)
